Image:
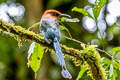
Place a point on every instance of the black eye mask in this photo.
(55, 14)
(60, 15)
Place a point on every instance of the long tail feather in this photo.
(65, 73)
(59, 52)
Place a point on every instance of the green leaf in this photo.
(114, 50)
(69, 20)
(35, 58)
(84, 12)
(118, 73)
(62, 27)
(97, 9)
(107, 61)
(82, 71)
(116, 65)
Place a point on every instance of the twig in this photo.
(34, 25)
(108, 55)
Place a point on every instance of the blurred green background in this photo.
(13, 60)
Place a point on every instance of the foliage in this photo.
(69, 20)
(84, 12)
(111, 63)
(82, 71)
(35, 55)
(97, 8)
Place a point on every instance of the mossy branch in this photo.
(88, 55)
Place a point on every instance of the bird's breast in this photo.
(49, 22)
(50, 28)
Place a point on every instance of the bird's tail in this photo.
(65, 73)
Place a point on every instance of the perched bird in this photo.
(50, 29)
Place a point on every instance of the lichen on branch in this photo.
(88, 55)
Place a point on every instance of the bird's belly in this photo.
(52, 33)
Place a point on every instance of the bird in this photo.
(50, 29)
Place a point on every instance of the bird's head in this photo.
(54, 14)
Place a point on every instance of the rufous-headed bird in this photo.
(50, 29)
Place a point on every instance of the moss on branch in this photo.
(86, 56)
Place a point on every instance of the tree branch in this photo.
(92, 58)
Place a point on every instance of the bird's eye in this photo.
(55, 14)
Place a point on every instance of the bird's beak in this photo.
(64, 15)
